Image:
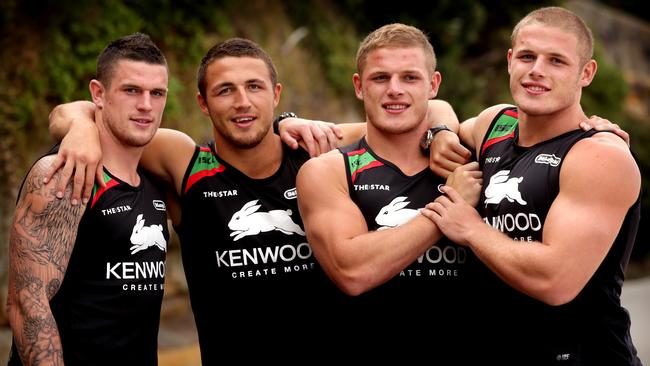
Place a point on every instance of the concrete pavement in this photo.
(636, 299)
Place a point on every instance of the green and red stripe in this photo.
(205, 165)
(503, 129)
(98, 191)
(360, 160)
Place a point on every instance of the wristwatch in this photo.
(429, 134)
(283, 115)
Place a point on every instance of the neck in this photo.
(534, 129)
(121, 160)
(401, 149)
(257, 162)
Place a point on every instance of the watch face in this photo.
(426, 139)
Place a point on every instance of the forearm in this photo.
(351, 132)
(441, 113)
(367, 260)
(528, 267)
(64, 116)
(35, 331)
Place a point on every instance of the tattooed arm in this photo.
(43, 233)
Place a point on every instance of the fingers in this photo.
(624, 135)
(333, 134)
(66, 174)
(289, 140)
(78, 183)
(321, 139)
(452, 195)
(99, 174)
(309, 144)
(443, 168)
(462, 152)
(336, 130)
(56, 165)
(89, 180)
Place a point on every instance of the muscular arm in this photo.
(43, 233)
(579, 230)
(354, 258)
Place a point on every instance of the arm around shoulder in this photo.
(168, 155)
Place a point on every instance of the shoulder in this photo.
(604, 164)
(41, 197)
(173, 140)
(473, 131)
(487, 116)
(324, 167)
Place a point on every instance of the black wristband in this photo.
(276, 123)
(429, 134)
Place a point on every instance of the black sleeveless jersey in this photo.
(250, 271)
(429, 297)
(520, 184)
(108, 306)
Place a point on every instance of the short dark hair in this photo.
(134, 47)
(234, 47)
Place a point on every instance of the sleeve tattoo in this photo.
(42, 238)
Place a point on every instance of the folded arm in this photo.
(354, 258)
(578, 232)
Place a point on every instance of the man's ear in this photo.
(509, 60)
(588, 73)
(97, 92)
(202, 104)
(436, 79)
(277, 91)
(356, 80)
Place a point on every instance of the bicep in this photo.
(329, 215)
(43, 233)
(585, 218)
(167, 155)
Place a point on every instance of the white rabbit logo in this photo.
(394, 214)
(144, 237)
(501, 187)
(247, 221)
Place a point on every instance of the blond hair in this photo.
(563, 19)
(396, 35)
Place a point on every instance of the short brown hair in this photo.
(396, 35)
(134, 47)
(234, 47)
(564, 19)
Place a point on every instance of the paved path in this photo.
(636, 299)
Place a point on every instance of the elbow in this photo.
(351, 284)
(556, 293)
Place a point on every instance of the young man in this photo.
(360, 206)
(86, 281)
(250, 271)
(562, 207)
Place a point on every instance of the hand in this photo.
(316, 137)
(601, 124)
(467, 180)
(453, 216)
(446, 154)
(79, 154)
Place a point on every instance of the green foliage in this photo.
(49, 49)
(606, 94)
